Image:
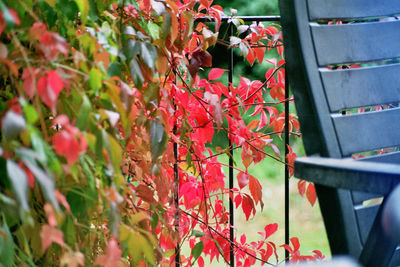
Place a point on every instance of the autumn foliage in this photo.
(108, 114)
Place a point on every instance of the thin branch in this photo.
(227, 239)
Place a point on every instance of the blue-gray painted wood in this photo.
(358, 42)
(310, 46)
(328, 9)
(368, 86)
(367, 216)
(368, 131)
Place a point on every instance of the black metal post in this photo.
(286, 164)
(176, 200)
(231, 207)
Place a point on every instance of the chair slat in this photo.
(328, 9)
(393, 157)
(366, 215)
(349, 88)
(368, 131)
(361, 42)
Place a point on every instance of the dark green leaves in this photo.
(45, 182)
(6, 246)
(131, 48)
(136, 73)
(149, 54)
(197, 249)
(83, 115)
(158, 139)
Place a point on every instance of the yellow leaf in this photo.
(83, 6)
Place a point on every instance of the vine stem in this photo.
(210, 228)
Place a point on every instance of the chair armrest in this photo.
(363, 176)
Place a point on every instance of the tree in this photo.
(104, 128)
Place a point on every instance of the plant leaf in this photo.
(197, 249)
(158, 139)
(19, 182)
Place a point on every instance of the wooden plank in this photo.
(368, 131)
(359, 42)
(328, 9)
(368, 86)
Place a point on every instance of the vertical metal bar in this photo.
(231, 207)
(286, 162)
(176, 200)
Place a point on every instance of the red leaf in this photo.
(248, 206)
(66, 145)
(311, 194)
(49, 88)
(243, 179)
(260, 52)
(270, 229)
(29, 76)
(51, 235)
(215, 73)
(238, 200)
(37, 30)
(255, 190)
(263, 120)
(112, 255)
(62, 199)
(206, 3)
(251, 56)
(280, 49)
(243, 239)
(301, 185)
(200, 261)
(295, 243)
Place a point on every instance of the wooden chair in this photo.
(327, 96)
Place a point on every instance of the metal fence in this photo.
(231, 64)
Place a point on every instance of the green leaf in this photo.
(95, 79)
(152, 93)
(38, 146)
(6, 246)
(197, 233)
(83, 6)
(136, 73)
(93, 12)
(12, 125)
(131, 48)
(154, 221)
(69, 8)
(114, 150)
(8, 18)
(46, 183)
(19, 182)
(30, 114)
(154, 30)
(139, 246)
(149, 54)
(158, 139)
(166, 25)
(197, 250)
(83, 115)
(114, 70)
